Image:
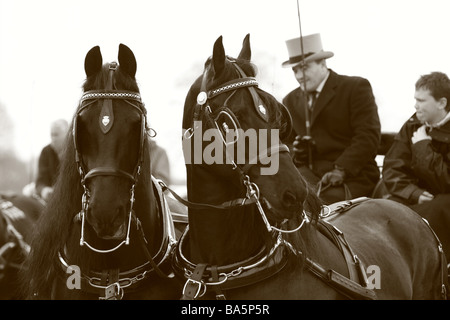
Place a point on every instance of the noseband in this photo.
(106, 121)
(203, 108)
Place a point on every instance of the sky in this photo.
(43, 45)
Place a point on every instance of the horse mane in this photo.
(53, 227)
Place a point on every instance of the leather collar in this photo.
(94, 282)
(243, 273)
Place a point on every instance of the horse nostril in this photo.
(106, 222)
(289, 199)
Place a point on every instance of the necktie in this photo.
(312, 97)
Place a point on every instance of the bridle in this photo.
(106, 120)
(203, 108)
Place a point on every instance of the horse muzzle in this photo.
(108, 227)
(108, 233)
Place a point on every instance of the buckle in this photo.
(113, 292)
(187, 291)
(113, 66)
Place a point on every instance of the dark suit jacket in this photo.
(344, 125)
(48, 168)
(410, 169)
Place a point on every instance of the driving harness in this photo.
(14, 239)
(200, 278)
(112, 284)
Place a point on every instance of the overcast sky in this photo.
(43, 45)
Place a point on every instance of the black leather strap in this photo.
(194, 286)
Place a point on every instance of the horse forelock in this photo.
(122, 81)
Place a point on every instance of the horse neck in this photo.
(219, 236)
(148, 211)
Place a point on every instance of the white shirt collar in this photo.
(440, 123)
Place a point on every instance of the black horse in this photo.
(18, 215)
(255, 230)
(106, 232)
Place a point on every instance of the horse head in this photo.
(109, 133)
(250, 123)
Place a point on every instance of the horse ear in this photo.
(246, 52)
(127, 60)
(93, 61)
(218, 56)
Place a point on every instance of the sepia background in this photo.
(43, 45)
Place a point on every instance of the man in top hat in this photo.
(336, 125)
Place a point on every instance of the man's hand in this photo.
(301, 147)
(334, 177)
(424, 197)
(46, 193)
(420, 134)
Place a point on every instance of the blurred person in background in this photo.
(49, 159)
(160, 165)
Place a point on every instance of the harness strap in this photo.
(356, 286)
(257, 268)
(445, 293)
(353, 263)
(342, 284)
(109, 171)
(194, 285)
(234, 84)
(355, 266)
(106, 118)
(193, 205)
(218, 289)
(257, 102)
(113, 291)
